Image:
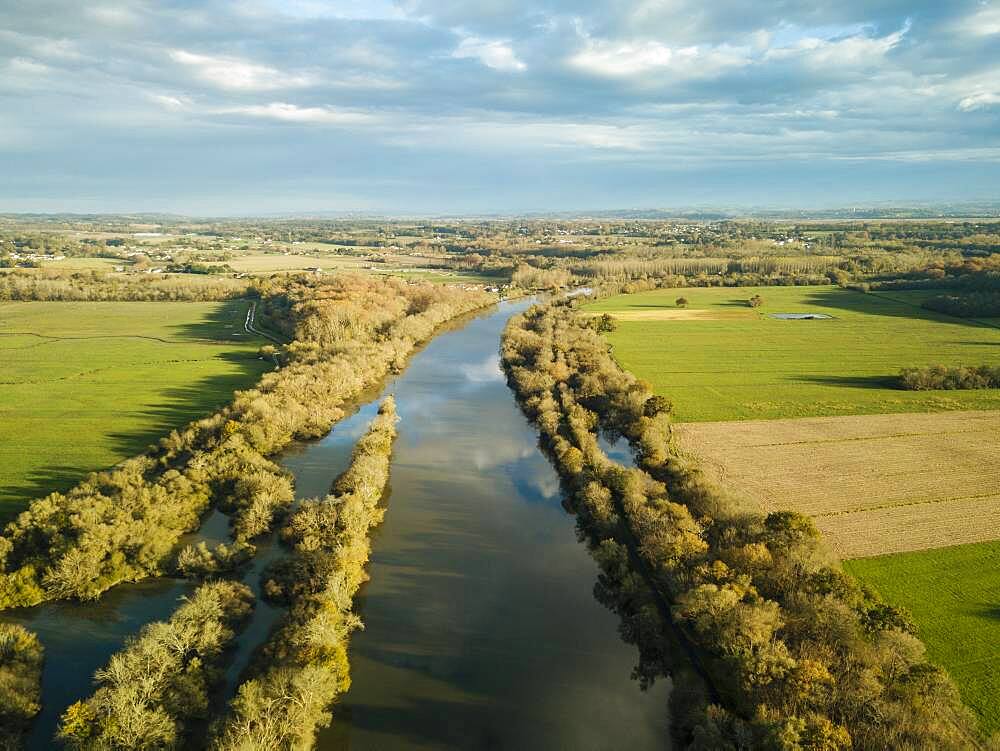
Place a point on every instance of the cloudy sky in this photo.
(453, 106)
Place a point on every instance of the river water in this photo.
(481, 630)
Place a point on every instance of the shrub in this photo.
(21, 657)
(937, 377)
(152, 690)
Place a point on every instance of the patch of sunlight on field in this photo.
(954, 596)
(85, 385)
(756, 367)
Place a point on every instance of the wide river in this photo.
(481, 629)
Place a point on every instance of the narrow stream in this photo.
(481, 630)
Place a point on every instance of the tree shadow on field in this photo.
(180, 405)
(885, 304)
(37, 483)
(989, 611)
(855, 382)
(224, 323)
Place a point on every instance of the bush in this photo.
(606, 323)
(21, 657)
(201, 562)
(967, 305)
(153, 689)
(943, 377)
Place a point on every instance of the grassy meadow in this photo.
(721, 360)
(85, 385)
(954, 596)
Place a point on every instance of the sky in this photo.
(243, 107)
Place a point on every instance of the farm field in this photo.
(261, 263)
(85, 385)
(874, 484)
(718, 359)
(84, 264)
(953, 595)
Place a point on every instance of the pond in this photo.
(799, 316)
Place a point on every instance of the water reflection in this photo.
(481, 627)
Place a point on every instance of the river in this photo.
(481, 629)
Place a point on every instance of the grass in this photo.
(738, 363)
(85, 264)
(85, 385)
(954, 596)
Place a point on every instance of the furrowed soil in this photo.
(874, 484)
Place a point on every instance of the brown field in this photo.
(874, 484)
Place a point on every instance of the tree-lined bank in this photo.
(124, 524)
(798, 655)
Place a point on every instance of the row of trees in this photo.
(944, 377)
(123, 524)
(968, 305)
(21, 657)
(79, 286)
(304, 665)
(152, 691)
(795, 655)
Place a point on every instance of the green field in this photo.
(85, 385)
(746, 365)
(954, 596)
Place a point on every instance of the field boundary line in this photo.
(907, 504)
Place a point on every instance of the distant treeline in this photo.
(793, 653)
(303, 667)
(944, 377)
(123, 524)
(81, 286)
(21, 657)
(151, 691)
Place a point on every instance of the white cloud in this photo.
(496, 55)
(851, 51)
(984, 22)
(113, 15)
(170, 102)
(979, 100)
(627, 59)
(26, 66)
(291, 113)
(239, 75)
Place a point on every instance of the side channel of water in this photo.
(481, 630)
